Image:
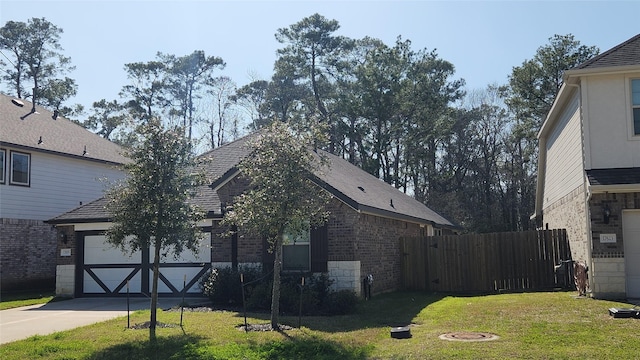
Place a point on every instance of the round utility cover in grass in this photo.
(469, 336)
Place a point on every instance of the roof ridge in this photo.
(607, 53)
(242, 138)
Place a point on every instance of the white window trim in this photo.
(630, 106)
(3, 177)
(11, 181)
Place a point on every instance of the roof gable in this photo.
(348, 183)
(624, 54)
(43, 131)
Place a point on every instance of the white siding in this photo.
(564, 171)
(58, 184)
(609, 144)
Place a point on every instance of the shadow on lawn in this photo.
(390, 310)
(164, 348)
(195, 348)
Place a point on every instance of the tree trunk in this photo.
(154, 293)
(275, 296)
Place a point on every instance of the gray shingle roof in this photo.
(625, 54)
(39, 132)
(367, 193)
(616, 176)
(345, 181)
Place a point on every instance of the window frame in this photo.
(11, 171)
(634, 131)
(3, 178)
(300, 241)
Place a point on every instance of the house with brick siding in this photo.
(48, 165)
(361, 237)
(589, 169)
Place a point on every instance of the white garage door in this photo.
(106, 270)
(631, 239)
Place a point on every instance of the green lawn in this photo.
(553, 325)
(18, 299)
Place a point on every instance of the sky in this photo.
(484, 40)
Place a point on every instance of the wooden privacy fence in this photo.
(484, 263)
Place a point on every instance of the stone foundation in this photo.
(65, 280)
(346, 275)
(608, 278)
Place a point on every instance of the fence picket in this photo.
(484, 263)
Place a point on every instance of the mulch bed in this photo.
(262, 327)
(250, 327)
(147, 324)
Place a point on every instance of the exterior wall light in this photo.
(606, 213)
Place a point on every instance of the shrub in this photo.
(340, 302)
(223, 287)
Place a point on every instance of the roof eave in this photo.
(617, 188)
(571, 75)
(59, 153)
(62, 222)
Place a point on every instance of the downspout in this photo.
(587, 192)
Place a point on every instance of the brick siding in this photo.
(27, 251)
(570, 213)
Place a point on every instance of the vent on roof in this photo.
(17, 102)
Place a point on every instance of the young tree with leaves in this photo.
(283, 196)
(151, 208)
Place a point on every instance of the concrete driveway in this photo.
(21, 323)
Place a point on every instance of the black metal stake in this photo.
(128, 316)
(244, 303)
(300, 309)
(184, 285)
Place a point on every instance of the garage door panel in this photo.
(106, 269)
(111, 279)
(176, 277)
(187, 256)
(631, 240)
(98, 251)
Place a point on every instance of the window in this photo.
(2, 166)
(296, 251)
(20, 168)
(635, 105)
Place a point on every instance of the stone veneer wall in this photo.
(66, 265)
(570, 213)
(27, 255)
(609, 278)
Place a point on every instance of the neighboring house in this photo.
(48, 165)
(367, 218)
(589, 169)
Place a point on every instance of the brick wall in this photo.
(609, 277)
(570, 213)
(369, 240)
(27, 255)
(379, 249)
(616, 203)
